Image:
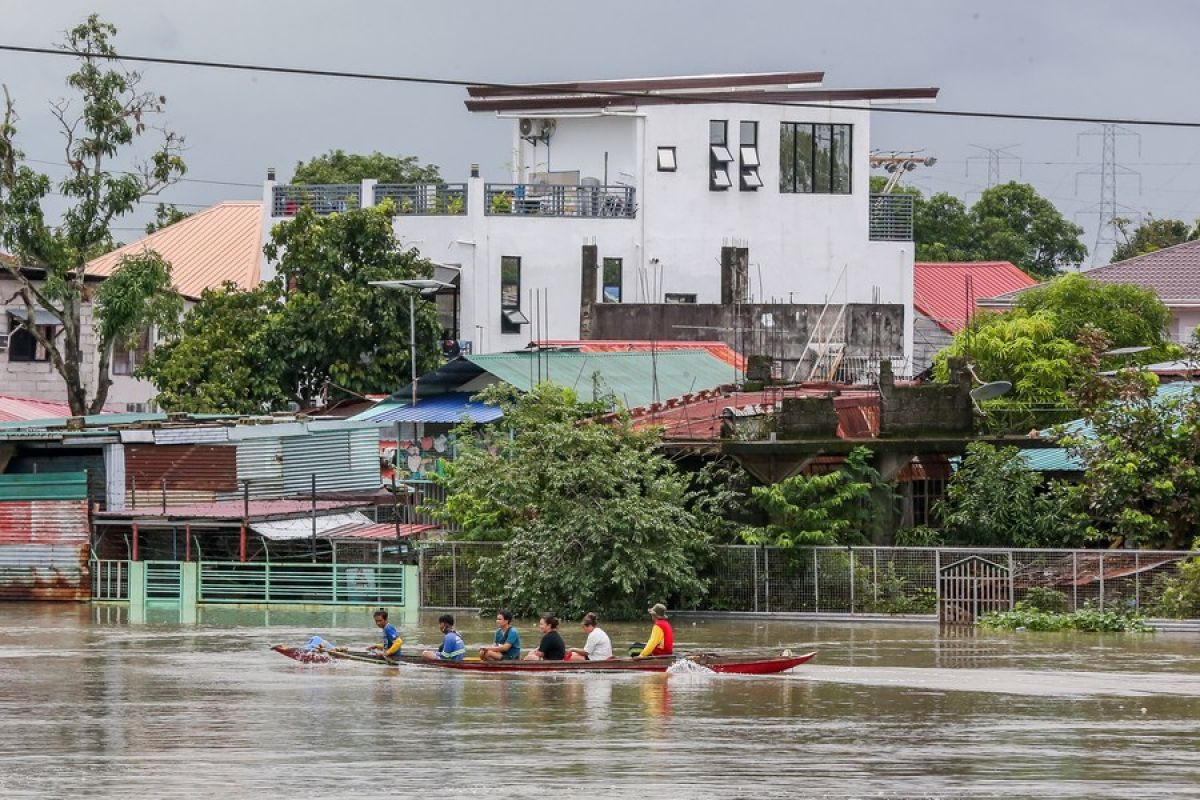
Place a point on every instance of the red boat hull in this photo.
(730, 665)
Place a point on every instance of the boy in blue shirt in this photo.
(452, 648)
(391, 637)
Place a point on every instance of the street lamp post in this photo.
(426, 287)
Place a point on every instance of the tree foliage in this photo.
(837, 508)
(591, 515)
(166, 214)
(1153, 234)
(1009, 222)
(995, 500)
(109, 115)
(337, 166)
(1129, 315)
(318, 330)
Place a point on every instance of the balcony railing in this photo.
(527, 199)
(424, 198)
(891, 218)
(322, 199)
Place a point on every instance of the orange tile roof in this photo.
(218, 244)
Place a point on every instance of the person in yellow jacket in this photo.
(662, 638)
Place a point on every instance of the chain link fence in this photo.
(863, 580)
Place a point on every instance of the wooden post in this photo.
(187, 542)
(133, 556)
(242, 543)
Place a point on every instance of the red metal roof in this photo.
(716, 349)
(947, 292)
(698, 417)
(381, 530)
(23, 409)
(229, 509)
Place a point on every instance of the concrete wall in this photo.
(40, 381)
(914, 411)
(1184, 322)
(778, 330)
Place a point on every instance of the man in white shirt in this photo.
(598, 646)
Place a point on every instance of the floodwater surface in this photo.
(94, 706)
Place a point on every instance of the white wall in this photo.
(1183, 322)
(580, 143)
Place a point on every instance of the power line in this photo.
(684, 99)
(181, 180)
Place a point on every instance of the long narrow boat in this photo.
(734, 665)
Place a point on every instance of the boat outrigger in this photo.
(733, 665)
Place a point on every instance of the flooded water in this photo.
(94, 706)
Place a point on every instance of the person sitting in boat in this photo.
(452, 648)
(508, 641)
(662, 638)
(552, 647)
(598, 646)
(391, 637)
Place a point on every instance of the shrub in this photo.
(1043, 599)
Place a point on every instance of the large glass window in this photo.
(814, 158)
(719, 156)
(611, 290)
(510, 294)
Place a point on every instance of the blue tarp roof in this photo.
(447, 408)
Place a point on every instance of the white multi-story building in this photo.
(721, 189)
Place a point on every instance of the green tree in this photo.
(1141, 455)
(942, 229)
(591, 516)
(1129, 315)
(319, 329)
(224, 359)
(164, 215)
(1012, 222)
(995, 500)
(837, 508)
(108, 117)
(1153, 234)
(337, 166)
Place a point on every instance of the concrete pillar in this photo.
(189, 591)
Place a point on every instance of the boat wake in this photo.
(685, 667)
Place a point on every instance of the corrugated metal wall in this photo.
(44, 550)
(190, 472)
(345, 460)
(260, 461)
(31, 461)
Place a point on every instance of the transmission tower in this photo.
(1108, 210)
(994, 156)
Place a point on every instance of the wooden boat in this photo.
(732, 665)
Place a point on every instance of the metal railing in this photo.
(321, 198)
(879, 580)
(528, 199)
(346, 584)
(449, 199)
(110, 579)
(164, 580)
(891, 218)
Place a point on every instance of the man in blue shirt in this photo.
(508, 641)
(452, 648)
(391, 637)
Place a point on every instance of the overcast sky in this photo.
(1074, 57)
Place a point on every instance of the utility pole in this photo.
(896, 163)
(1108, 210)
(994, 156)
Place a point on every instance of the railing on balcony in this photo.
(322, 199)
(527, 199)
(891, 218)
(424, 198)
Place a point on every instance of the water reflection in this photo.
(163, 709)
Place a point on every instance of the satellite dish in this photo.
(990, 391)
(1125, 351)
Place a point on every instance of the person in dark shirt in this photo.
(552, 647)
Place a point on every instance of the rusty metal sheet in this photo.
(185, 468)
(44, 572)
(44, 522)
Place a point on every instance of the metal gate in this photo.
(972, 587)
(163, 580)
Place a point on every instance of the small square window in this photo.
(666, 159)
(749, 156)
(720, 179)
(750, 179)
(721, 154)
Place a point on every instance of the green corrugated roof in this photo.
(1050, 459)
(44, 486)
(630, 376)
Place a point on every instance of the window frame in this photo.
(668, 150)
(719, 157)
(18, 332)
(619, 264)
(506, 325)
(680, 298)
(825, 173)
(748, 159)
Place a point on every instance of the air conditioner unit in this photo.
(525, 126)
(548, 128)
